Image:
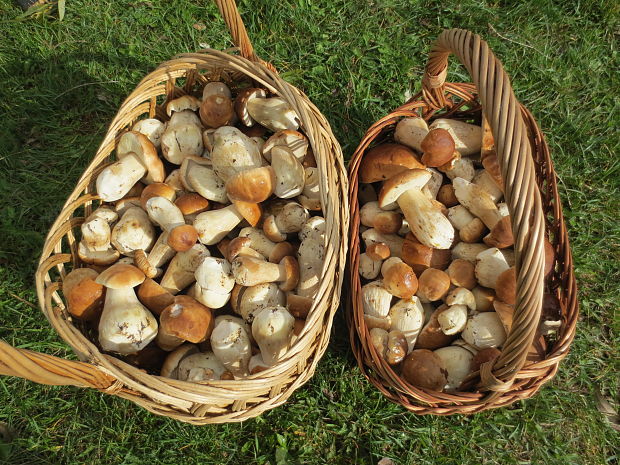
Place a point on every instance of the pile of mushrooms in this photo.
(204, 258)
(437, 269)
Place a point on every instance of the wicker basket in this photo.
(216, 401)
(532, 197)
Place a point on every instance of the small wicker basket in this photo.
(215, 401)
(534, 204)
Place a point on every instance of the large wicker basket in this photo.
(216, 401)
(535, 208)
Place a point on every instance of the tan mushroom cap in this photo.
(484, 298)
(120, 276)
(462, 273)
(432, 337)
(400, 183)
(254, 185)
(501, 234)
(251, 212)
(433, 284)
(186, 319)
(378, 251)
(438, 147)
(241, 246)
(506, 286)
(216, 110)
(399, 279)
(420, 257)
(299, 306)
(153, 296)
(281, 250)
(183, 237)
(241, 104)
(291, 272)
(387, 160)
(396, 347)
(85, 297)
(171, 364)
(424, 368)
(157, 189)
(140, 145)
(192, 204)
(446, 196)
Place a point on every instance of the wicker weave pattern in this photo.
(533, 201)
(216, 401)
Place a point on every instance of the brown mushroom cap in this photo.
(153, 296)
(183, 237)
(424, 368)
(506, 286)
(446, 196)
(241, 104)
(85, 297)
(120, 276)
(378, 251)
(254, 131)
(505, 313)
(420, 257)
(254, 185)
(433, 284)
(298, 306)
(140, 145)
(462, 273)
(386, 160)
(192, 204)
(251, 212)
(484, 298)
(432, 337)
(216, 111)
(150, 358)
(400, 280)
(186, 319)
(491, 164)
(501, 234)
(291, 272)
(171, 364)
(438, 147)
(396, 347)
(157, 189)
(490, 354)
(281, 250)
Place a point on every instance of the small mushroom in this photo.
(174, 180)
(202, 366)
(161, 253)
(396, 347)
(289, 173)
(376, 299)
(425, 369)
(85, 297)
(153, 296)
(457, 361)
(215, 278)
(311, 256)
(272, 329)
(489, 265)
(411, 132)
(477, 201)
(386, 160)
(289, 218)
(216, 110)
(469, 252)
(215, 88)
(398, 278)
(484, 330)
(233, 152)
(137, 157)
(310, 197)
(372, 216)
(427, 222)
(446, 196)
(407, 316)
(184, 320)
(461, 296)
(141, 261)
(231, 345)
(462, 274)
(452, 320)
(437, 147)
(293, 140)
(250, 271)
(95, 248)
(213, 225)
(191, 204)
(152, 128)
(133, 232)
(181, 236)
(241, 104)
(467, 137)
(473, 231)
(180, 271)
(459, 216)
(241, 246)
(484, 298)
(126, 326)
(254, 299)
(182, 137)
(459, 168)
(170, 368)
(368, 267)
(433, 284)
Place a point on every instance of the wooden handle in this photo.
(514, 154)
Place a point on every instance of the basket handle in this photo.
(48, 369)
(514, 153)
(232, 18)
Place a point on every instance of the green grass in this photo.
(61, 82)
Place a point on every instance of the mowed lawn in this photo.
(60, 85)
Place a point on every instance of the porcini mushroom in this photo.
(215, 278)
(484, 330)
(477, 201)
(398, 278)
(407, 316)
(433, 284)
(489, 265)
(254, 299)
(133, 232)
(233, 152)
(387, 160)
(250, 271)
(152, 128)
(288, 218)
(254, 185)
(424, 368)
(180, 271)
(94, 247)
(437, 147)
(462, 274)
(216, 110)
(293, 140)
(289, 173)
(274, 113)
(213, 225)
(85, 297)
(452, 320)
(467, 137)
(310, 197)
(372, 216)
(231, 345)
(202, 179)
(273, 251)
(184, 320)
(411, 132)
(182, 137)
(376, 299)
(203, 366)
(457, 361)
(272, 329)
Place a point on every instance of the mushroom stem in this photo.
(427, 223)
(118, 178)
(272, 329)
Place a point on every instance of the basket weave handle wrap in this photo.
(230, 13)
(514, 153)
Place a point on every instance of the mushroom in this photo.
(286, 219)
(372, 216)
(311, 256)
(489, 265)
(185, 102)
(459, 216)
(425, 369)
(254, 299)
(133, 232)
(438, 147)
(201, 178)
(231, 345)
(446, 196)
(157, 189)
(203, 366)
(95, 248)
(141, 261)
(506, 286)
(241, 246)
(505, 313)
(161, 253)
(473, 231)
(274, 252)
(170, 368)
(501, 234)
(213, 225)
(274, 113)
(407, 316)
(477, 201)
(376, 299)
(311, 194)
(214, 276)
(293, 140)
(180, 271)
(174, 180)
(484, 330)
(299, 306)
(461, 296)
(85, 297)
(182, 137)
(469, 252)
(398, 278)
(386, 160)
(121, 206)
(272, 329)
(233, 152)
(215, 88)
(488, 355)
(432, 337)
(126, 326)
(459, 168)
(411, 132)
(484, 180)
(250, 271)
(241, 104)
(461, 273)
(237, 320)
(426, 221)
(289, 173)
(137, 157)
(152, 128)
(153, 296)
(457, 361)
(452, 320)
(254, 185)
(393, 241)
(216, 110)
(431, 189)
(420, 257)
(484, 298)
(366, 193)
(433, 285)
(191, 204)
(257, 364)
(369, 268)
(181, 236)
(467, 137)
(184, 320)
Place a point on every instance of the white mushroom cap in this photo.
(376, 299)
(477, 201)
(453, 319)
(184, 118)
(484, 330)
(484, 180)
(200, 367)
(231, 345)
(289, 173)
(133, 232)
(467, 137)
(369, 268)
(489, 265)
(152, 128)
(185, 102)
(461, 296)
(272, 329)
(468, 252)
(457, 361)
(254, 299)
(233, 152)
(215, 275)
(408, 317)
(180, 141)
(95, 245)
